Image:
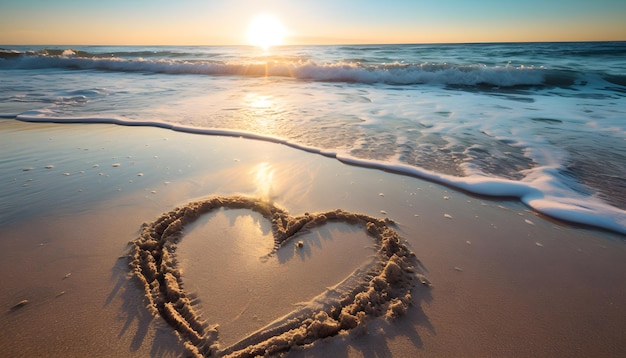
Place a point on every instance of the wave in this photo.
(542, 190)
(395, 73)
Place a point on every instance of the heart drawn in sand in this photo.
(382, 289)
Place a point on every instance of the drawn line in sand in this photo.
(379, 289)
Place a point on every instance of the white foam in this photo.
(543, 193)
(542, 189)
(391, 73)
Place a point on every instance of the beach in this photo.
(503, 279)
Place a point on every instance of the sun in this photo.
(265, 31)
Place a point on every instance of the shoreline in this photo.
(577, 211)
(505, 280)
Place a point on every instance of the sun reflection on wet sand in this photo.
(263, 180)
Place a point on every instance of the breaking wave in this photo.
(352, 71)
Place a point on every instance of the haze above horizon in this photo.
(203, 22)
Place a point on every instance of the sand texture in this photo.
(82, 202)
(385, 289)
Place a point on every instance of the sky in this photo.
(225, 22)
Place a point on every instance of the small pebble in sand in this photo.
(139, 174)
(115, 165)
(539, 244)
(27, 169)
(529, 222)
(67, 174)
(95, 165)
(67, 275)
(468, 242)
(447, 216)
(446, 198)
(458, 269)
(20, 304)
(153, 192)
(383, 212)
(299, 244)
(49, 166)
(381, 194)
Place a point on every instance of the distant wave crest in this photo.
(353, 72)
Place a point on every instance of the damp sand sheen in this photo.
(241, 242)
(223, 264)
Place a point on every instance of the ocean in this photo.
(542, 123)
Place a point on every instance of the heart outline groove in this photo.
(382, 289)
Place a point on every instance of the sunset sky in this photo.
(206, 22)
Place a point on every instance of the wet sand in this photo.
(505, 282)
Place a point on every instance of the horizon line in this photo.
(315, 44)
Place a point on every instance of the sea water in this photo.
(541, 122)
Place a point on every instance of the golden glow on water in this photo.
(258, 101)
(263, 112)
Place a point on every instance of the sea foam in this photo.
(395, 73)
(542, 191)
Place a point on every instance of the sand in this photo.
(382, 287)
(504, 281)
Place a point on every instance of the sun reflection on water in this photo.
(262, 111)
(254, 100)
